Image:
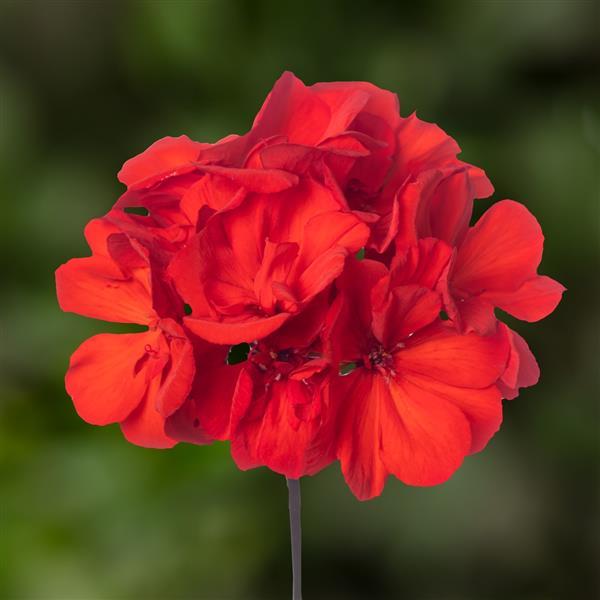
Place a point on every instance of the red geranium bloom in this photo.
(135, 379)
(420, 396)
(347, 359)
(254, 266)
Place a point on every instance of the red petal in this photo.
(235, 332)
(450, 207)
(168, 156)
(276, 265)
(361, 396)
(482, 407)
(266, 181)
(212, 191)
(500, 252)
(103, 379)
(522, 370)
(422, 263)
(468, 360)
(407, 310)
(424, 438)
(349, 322)
(330, 229)
(293, 110)
(206, 413)
(422, 145)
(279, 438)
(303, 328)
(177, 382)
(145, 426)
(385, 229)
(475, 314)
(95, 287)
(533, 301)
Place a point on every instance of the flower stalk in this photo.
(296, 536)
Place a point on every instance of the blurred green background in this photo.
(84, 515)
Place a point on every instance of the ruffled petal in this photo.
(348, 324)
(522, 370)
(235, 331)
(145, 426)
(407, 310)
(422, 145)
(534, 300)
(265, 181)
(177, 379)
(166, 157)
(283, 435)
(104, 378)
(206, 414)
(422, 263)
(482, 407)
(468, 360)
(501, 252)
(424, 438)
(293, 110)
(361, 397)
(95, 287)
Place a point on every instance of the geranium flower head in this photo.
(395, 364)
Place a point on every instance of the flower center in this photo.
(381, 359)
(276, 363)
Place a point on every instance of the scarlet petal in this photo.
(522, 370)
(533, 301)
(422, 263)
(482, 407)
(266, 181)
(422, 145)
(276, 264)
(279, 438)
(235, 332)
(95, 287)
(385, 229)
(468, 360)
(167, 156)
(145, 426)
(212, 191)
(206, 413)
(329, 230)
(476, 314)
(359, 438)
(321, 272)
(424, 438)
(293, 110)
(501, 251)
(349, 320)
(303, 328)
(177, 382)
(103, 380)
(344, 101)
(408, 309)
(451, 206)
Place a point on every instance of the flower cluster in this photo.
(312, 291)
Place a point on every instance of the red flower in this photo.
(420, 396)
(251, 240)
(254, 266)
(136, 379)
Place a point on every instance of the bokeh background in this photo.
(84, 515)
